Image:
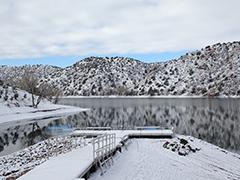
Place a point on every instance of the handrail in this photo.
(103, 145)
(98, 128)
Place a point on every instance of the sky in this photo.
(61, 32)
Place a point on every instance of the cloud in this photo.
(74, 27)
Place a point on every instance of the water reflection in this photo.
(214, 120)
(15, 137)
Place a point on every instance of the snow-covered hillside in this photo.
(11, 97)
(211, 71)
(100, 76)
(16, 105)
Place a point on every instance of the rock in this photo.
(165, 144)
(181, 146)
(183, 141)
(182, 152)
(10, 178)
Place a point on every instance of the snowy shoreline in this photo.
(45, 110)
(17, 105)
(150, 97)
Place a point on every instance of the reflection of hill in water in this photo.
(216, 121)
(20, 136)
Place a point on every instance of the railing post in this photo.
(93, 143)
(103, 145)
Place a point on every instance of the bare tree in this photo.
(30, 82)
(51, 93)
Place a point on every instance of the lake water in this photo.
(214, 120)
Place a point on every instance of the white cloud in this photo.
(32, 28)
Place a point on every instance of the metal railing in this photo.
(103, 146)
(151, 127)
(98, 128)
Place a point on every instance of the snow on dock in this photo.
(148, 159)
(143, 159)
(78, 162)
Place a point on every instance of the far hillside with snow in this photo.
(211, 71)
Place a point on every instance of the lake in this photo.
(214, 120)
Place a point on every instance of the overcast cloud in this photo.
(33, 28)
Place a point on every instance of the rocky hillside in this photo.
(211, 71)
(100, 76)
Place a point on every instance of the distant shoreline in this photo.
(17, 114)
(150, 97)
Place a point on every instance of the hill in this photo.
(211, 71)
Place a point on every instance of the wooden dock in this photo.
(79, 163)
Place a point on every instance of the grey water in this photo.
(216, 121)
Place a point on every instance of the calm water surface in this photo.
(213, 120)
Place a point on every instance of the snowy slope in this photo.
(15, 105)
(211, 71)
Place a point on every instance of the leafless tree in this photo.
(30, 82)
(52, 93)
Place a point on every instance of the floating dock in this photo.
(79, 163)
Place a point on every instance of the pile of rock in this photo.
(181, 146)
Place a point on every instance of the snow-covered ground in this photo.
(80, 159)
(147, 159)
(18, 163)
(15, 105)
(44, 110)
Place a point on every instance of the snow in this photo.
(74, 163)
(147, 159)
(144, 159)
(43, 111)
(17, 163)
(20, 109)
(211, 71)
(63, 167)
